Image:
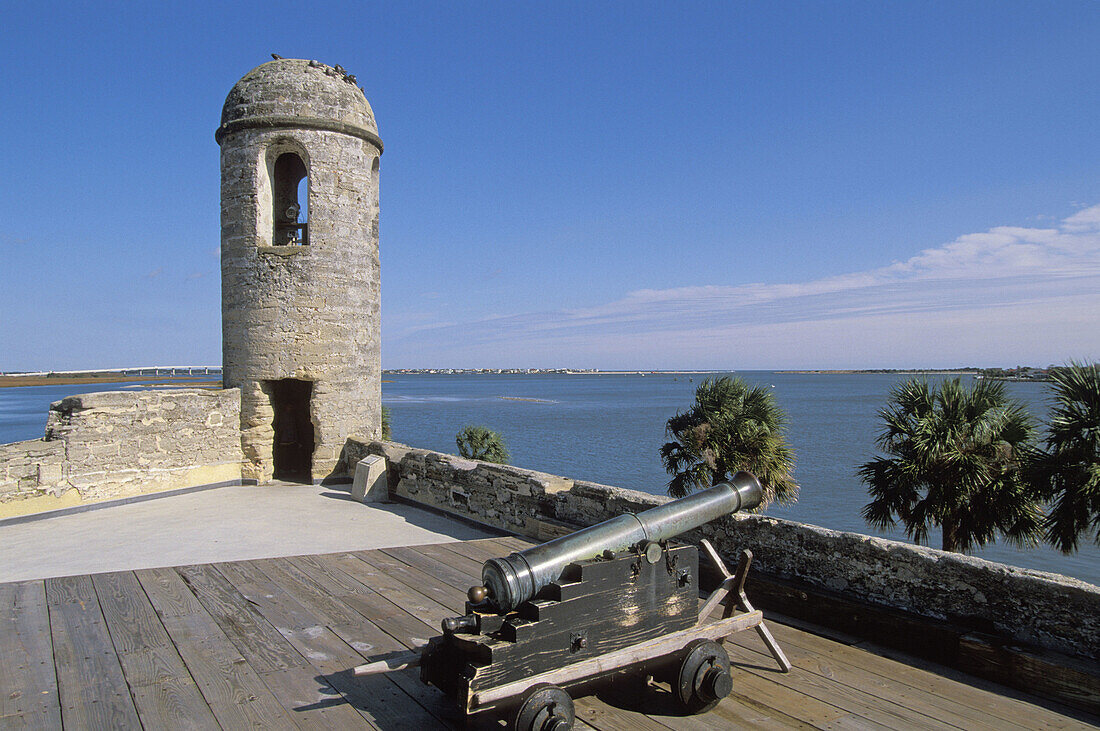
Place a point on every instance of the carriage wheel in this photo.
(545, 707)
(704, 677)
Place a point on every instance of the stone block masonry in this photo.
(113, 444)
(303, 312)
(1032, 607)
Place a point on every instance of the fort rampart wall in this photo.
(1035, 608)
(112, 444)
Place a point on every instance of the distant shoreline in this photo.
(539, 372)
(888, 371)
(649, 373)
(8, 381)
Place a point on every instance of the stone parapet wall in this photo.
(1033, 607)
(511, 498)
(26, 467)
(111, 444)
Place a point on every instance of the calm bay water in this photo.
(608, 428)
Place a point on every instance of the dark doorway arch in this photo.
(293, 425)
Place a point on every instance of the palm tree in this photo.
(1068, 472)
(477, 442)
(730, 427)
(956, 461)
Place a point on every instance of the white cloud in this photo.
(981, 293)
(1085, 220)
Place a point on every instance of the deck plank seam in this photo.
(943, 704)
(748, 645)
(328, 626)
(53, 708)
(131, 686)
(56, 673)
(934, 678)
(432, 628)
(331, 628)
(66, 694)
(859, 702)
(192, 659)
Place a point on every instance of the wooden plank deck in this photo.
(270, 643)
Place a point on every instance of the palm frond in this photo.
(478, 442)
(731, 426)
(1069, 468)
(954, 460)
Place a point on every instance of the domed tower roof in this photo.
(294, 92)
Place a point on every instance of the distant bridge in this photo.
(139, 371)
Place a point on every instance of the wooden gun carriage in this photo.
(616, 599)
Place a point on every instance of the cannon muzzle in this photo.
(518, 577)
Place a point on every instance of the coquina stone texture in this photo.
(1033, 607)
(113, 444)
(304, 312)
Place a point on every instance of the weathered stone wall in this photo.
(112, 444)
(301, 312)
(1038, 608)
(29, 469)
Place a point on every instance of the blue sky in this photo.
(611, 185)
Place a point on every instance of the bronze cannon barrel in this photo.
(518, 577)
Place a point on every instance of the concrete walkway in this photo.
(222, 524)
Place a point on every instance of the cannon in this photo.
(616, 601)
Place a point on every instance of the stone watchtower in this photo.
(300, 274)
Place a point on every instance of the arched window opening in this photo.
(290, 201)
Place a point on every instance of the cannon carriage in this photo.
(616, 600)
